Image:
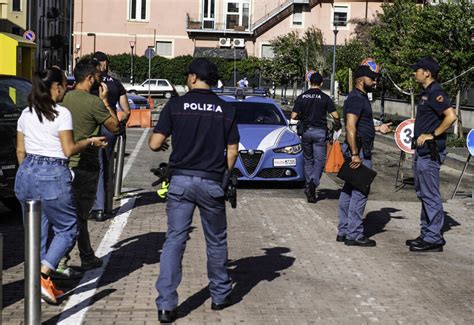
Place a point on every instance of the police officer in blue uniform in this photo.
(311, 109)
(203, 127)
(434, 116)
(360, 135)
(116, 94)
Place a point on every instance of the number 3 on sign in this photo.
(404, 135)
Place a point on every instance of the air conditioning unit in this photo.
(224, 42)
(239, 42)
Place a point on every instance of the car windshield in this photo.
(13, 94)
(258, 113)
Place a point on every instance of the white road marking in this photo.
(78, 304)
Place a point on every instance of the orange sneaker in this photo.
(49, 293)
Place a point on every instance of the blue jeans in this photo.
(314, 153)
(184, 194)
(426, 172)
(104, 157)
(351, 206)
(49, 180)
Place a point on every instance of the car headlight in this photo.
(291, 150)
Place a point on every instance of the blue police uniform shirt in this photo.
(312, 107)
(201, 125)
(115, 90)
(429, 115)
(358, 103)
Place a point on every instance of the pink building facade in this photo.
(184, 27)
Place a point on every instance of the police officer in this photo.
(434, 116)
(202, 127)
(360, 135)
(311, 109)
(116, 94)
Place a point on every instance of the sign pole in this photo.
(460, 177)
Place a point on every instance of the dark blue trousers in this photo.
(351, 207)
(314, 154)
(184, 194)
(426, 173)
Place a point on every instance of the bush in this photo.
(452, 141)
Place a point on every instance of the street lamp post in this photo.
(333, 75)
(132, 45)
(93, 35)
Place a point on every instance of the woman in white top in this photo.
(44, 143)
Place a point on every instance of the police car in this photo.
(268, 150)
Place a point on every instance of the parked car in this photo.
(136, 102)
(13, 99)
(156, 87)
(268, 150)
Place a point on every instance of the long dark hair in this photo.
(40, 97)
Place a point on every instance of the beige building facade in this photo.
(13, 16)
(192, 27)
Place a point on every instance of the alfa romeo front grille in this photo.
(250, 159)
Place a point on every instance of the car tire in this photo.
(12, 204)
(168, 95)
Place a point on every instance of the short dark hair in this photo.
(84, 68)
(205, 70)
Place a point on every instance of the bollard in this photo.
(109, 181)
(32, 219)
(119, 165)
(1, 271)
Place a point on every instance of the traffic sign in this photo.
(29, 35)
(470, 142)
(308, 74)
(404, 135)
(150, 53)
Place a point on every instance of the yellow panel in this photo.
(12, 93)
(8, 55)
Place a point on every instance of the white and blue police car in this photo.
(268, 150)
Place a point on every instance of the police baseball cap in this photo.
(204, 69)
(427, 63)
(100, 56)
(365, 71)
(316, 78)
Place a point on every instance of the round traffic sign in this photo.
(404, 135)
(470, 142)
(308, 74)
(150, 53)
(29, 35)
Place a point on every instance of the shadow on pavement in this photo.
(246, 274)
(449, 222)
(375, 221)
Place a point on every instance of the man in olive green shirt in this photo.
(88, 113)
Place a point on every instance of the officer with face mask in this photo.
(205, 143)
(434, 116)
(360, 135)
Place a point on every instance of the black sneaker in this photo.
(424, 246)
(221, 306)
(362, 241)
(91, 263)
(66, 273)
(310, 192)
(167, 316)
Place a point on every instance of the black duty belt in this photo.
(197, 173)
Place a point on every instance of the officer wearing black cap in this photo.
(205, 141)
(433, 117)
(116, 94)
(311, 109)
(360, 135)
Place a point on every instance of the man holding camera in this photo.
(433, 117)
(203, 127)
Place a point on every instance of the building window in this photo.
(16, 5)
(164, 48)
(209, 13)
(340, 15)
(297, 16)
(237, 14)
(138, 10)
(267, 51)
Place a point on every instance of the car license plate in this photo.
(284, 162)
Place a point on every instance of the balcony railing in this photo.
(211, 26)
